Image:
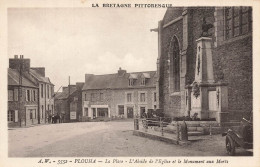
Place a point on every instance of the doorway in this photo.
(130, 112)
(121, 111)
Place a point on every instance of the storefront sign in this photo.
(73, 115)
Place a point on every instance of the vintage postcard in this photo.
(129, 83)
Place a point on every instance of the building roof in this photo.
(65, 93)
(13, 79)
(113, 81)
(39, 77)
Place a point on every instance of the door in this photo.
(94, 112)
(121, 111)
(130, 112)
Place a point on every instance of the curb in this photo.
(160, 138)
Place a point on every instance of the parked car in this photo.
(242, 138)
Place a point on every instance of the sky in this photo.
(75, 41)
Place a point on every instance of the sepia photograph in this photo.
(129, 81)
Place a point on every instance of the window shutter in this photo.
(15, 115)
(26, 95)
(15, 94)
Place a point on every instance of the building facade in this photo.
(122, 94)
(22, 100)
(68, 103)
(230, 46)
(45, 89)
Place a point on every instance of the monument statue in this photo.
(205, 28)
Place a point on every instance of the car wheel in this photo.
(230, 146)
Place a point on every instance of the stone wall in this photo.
(234, 59)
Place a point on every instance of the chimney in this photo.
(40, 70)
(64, 88)
(79, 85)
(22, 63)
(121, 72)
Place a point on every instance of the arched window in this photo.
(174, 57)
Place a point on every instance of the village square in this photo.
(196, 102)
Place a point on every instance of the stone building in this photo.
(43, 93)
(228, 43)
(46, 92)
(68, 103)
(119, 95)
(22, 97)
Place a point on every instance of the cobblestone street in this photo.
(100, 139)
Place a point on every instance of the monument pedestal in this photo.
(204, 97)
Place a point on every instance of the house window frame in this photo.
(28, 95)
(174, 65)
(10, 92)
(92, 97)
(42, 90)
(143, 81)
(140, 100)
(127, 97)
(154, 97)
(240, 24)
(101, 96)
(10, 116)
(130, 82)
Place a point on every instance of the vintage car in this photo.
(243, 137)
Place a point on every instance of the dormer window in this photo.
(132, 79)
(144, 78)
(131, 82)
(142, 81)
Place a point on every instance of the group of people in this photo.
(55, 118)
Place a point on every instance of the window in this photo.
(48, 91)
(92, 97)
(238, 21)
(85, 97)
(51, 91)
(131, 82)
(34, 95)
(121, 110)
(142, 97)
(42, 111)
(10, 95)
(174, 57)
(10, 117)
(86, 112)
(52, 109)
(42, 90)
(154, 96)
(28, 95)
(142, 81)
(15, 94)
(31, 114)
(129, 97)
(101, 97)
(35, 114)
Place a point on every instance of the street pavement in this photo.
(102, 139)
